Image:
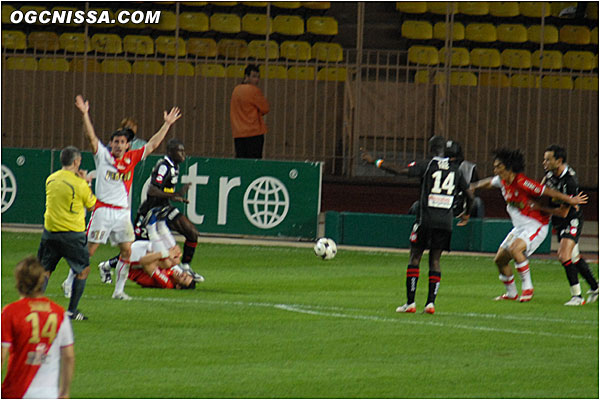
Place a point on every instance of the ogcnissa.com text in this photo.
(81, 16)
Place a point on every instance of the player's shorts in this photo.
(167, 213)
(571, 231)
(533, 234)
(430, 238)
(72, 246)
(108, 222)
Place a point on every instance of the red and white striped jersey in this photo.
(518, 195)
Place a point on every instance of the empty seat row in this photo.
(508, 58)
(508, 33)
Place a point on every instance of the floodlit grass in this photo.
(277, 322)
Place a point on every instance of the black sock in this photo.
(412, 276)
(76, 293)
(434, 285)
(571, 272)
(188, 251)
(113, 261)
(584, 269)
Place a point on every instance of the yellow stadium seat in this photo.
(417, 30)
(441, 7)
(574, 34)
(323, 51)
(22, 63)
(494, 79)
(552, 59)
(235, 71)
(332, 74)
(180, 68)
(301, 73)
(232, 48)
(504, 8)
(210, 70)
(512, 33)
(138, 44)
(439, 31)
(202, 47)
(422, 76)
(423, 55)
(224, 3)
(557, 6)
(195, 3)
(74, 42)
(257, 24)
(592, 10)
(473, 7)
(316, 5)
(557, 82)
(579, 60)
(550, 35)
(459, 56)
(194, 22)
(147, 68)
(287, 4)
(255, 3)
(457, 78)
(14, 40)
(131, 25)
(107, 43)
(295, 50)
(53, 64)
(258, 49)
(7, 10)
(169, 46)
(411, 7)
(111, 15)
(225, 23)
(272, 72)
(516, 58)
(594, 35)
(80, 65)
(487, 58)
(65, 11)
(535, 9)
(291, 25)
(525, 81)
(115, 67)
(322, 26)
(586, 83)
(480, 32)
(167, 22)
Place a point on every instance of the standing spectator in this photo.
(248, 106)
(68, 195)
(37, 340)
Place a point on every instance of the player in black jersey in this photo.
(441, 180)
(567, 221)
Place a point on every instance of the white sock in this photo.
(165, 234)
(576, 290)
(122, 274)
(525, 274)
(509, 284)
(70, 278)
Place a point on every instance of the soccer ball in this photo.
(325, 248)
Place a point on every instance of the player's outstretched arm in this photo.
(485, 183)
(158, 137)
(368, 158)
(581, 198)
(90, 134)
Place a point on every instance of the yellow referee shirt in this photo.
(67, 197)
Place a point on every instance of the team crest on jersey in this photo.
(127, 160)
(575, 222)
(412, 164)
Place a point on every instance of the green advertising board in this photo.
(226, 196)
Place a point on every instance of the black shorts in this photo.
(167, 213)
(249, 147)
(570, 231)
(430, 238)
(72, 246)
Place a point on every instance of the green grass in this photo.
(276, 322)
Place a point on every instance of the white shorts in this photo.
(108, 222)
(532, 234)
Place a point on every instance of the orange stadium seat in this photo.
(258, 49)
(459, 56)
(257, 24)
(441, 7)
(22, 63)
(439, 31)
(74, 42)
(586, 83)
(473, 7)
(535, 9)
(525, 81)
(579, 60)
(130, 25)
(14, 40)
(107, 43)
(323, 51)
(80, 65)
(504, 8)
(210, 70)
(180, 68)
(550, 34)
(138, 44)
(552, 59)
(167, 22)
(295, 50)
(272, 72)
(494, 79)
(225, 23)
(322, 26)
(557, 82)
(169, 46)
(417, 30)
(53, 64)
(235, 71)
(412, 7)
(481, 32)
(516, 58)
(316, 5)
(115, 67)
(290, 25)
(512, 33)
(147, 68)
(332, 74)
(301, 73)
(487, 58)
(202, 47)
(232, 48)
(573, 34)
(423, 55)
(194, 22)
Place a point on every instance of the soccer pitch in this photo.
(277, 322)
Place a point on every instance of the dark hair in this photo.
(192, 285)
(559, 152)
(513, 160)
(454, 150)
(68, 155)
(249, 69)
(173, 144)
(128, 133)
(29, 276)
(436, 145)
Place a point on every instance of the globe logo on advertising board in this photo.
(266, 202)
(9, 188)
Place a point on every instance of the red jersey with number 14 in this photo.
(518, 195)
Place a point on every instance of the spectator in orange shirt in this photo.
(248, 105)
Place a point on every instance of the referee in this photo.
(68, 194)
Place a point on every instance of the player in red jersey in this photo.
(530, 225)
(37, 340)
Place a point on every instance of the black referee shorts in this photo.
(72, 246)
(430, 238)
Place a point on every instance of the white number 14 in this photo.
(447, 185)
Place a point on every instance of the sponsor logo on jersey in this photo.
(118, 176)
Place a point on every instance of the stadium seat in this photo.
(579, 60)
(323, 51)
(115, 67)
(516, 58)
(534, 34)
(457, 79)
(573, 34)
(480, 32)
(322, 26)
(224, 3)
(74, 42)
(423, 55)
(411, 7)
(194, 22)
(272, 72)
(332, 74)
(417, 30)
(422, 76)
(256, 3)
(232, 48)
(138, 44)
(441, 7)
(473, 7)
(557, 6)
(66, 10)
(301, 73)
(535, 9)
(316, 5)
(586, 83)
(295, 50)
(525, 81)
(257, 24)
(22, 63)
(210, 70)
(258, 49)
(235, 71)
(147, 68)
(131, 25)
(195, 3)
(104, 24)
(89, 65)
(53, 64)
(511, 33)
(592, 10)
(168, 21)
(14, 40)
(594, 35)
(43, 41)
(7, 10)
(180, 68)
(290, 25)
(287, 4)
(552, 59)
(167, 45)
(458, 31)
(202, 47)
(106, 43)
(504, 8)
(225, 23)
(494, 79)
(459, 56)
(557, 82)
(487, 58)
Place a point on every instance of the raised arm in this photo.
(368, 158)
(158, 137)
(485, 183)
(581, 198)
(90, 134)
